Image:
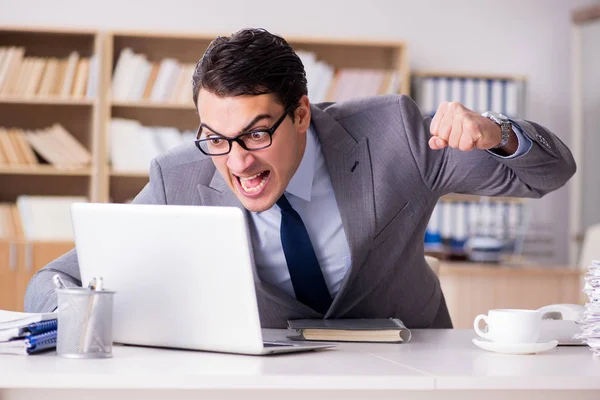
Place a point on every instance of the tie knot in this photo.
(283, 203)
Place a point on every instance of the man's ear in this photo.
(302, 114)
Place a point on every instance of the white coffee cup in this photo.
(510, 325)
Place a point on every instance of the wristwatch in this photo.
(505, 126)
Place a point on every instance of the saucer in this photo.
(515, 348)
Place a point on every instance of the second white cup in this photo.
(510, 325)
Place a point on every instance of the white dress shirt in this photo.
(311, 194)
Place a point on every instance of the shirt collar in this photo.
(301, 183)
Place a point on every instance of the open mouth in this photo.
(254, 184)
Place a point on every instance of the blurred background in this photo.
(91, 91)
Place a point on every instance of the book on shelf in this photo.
(10, 221)
(390, 330)
(54, 145)
(327, 83)
(136, 78)
(7, 227)
(148, 141)
(28, 76)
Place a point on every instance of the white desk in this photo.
(435, 364)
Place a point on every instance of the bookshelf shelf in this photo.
(153, 105)
(43, 170)
(46, 101)
(464, 75)
(50, 88)
(50, 115)
(125, 174)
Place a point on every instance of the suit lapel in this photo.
(217, 193)
(349, 166)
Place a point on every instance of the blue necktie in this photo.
(305, 272)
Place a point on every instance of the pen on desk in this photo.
(100, 284)
(84, 341)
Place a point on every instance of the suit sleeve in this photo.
(547, 165)
(40, 296)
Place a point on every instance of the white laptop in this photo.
(183, 276)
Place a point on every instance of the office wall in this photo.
(525, 37)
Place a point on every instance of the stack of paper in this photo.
(25, 333)
(590, 323)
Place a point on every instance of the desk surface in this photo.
(434, 359)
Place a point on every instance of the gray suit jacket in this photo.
(386, 181)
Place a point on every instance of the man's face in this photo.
(257, 178)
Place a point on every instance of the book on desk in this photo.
(388, 330)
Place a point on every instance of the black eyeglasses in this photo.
(216, 144)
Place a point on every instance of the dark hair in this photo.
(251, 62)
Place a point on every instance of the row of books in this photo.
(148, 142)
(480, 95)
(54, 145)
(325, 83)
(27, 76)
(135, 78)
(38, 218)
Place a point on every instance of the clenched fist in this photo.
(456, 126)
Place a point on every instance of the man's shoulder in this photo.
(185, 156)
(365, 105)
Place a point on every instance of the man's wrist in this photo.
(511, 146)
(509, 142)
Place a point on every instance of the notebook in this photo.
(33, 328)
(32, 344)
(13, 319)
(390, 330)
(17, 324)
(183, 276)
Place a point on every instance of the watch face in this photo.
(496, 117)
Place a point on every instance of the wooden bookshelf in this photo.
(117, 185)
(151, 105)
(46, 101)
(43, 170)
(79, 114)
(464, 75)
